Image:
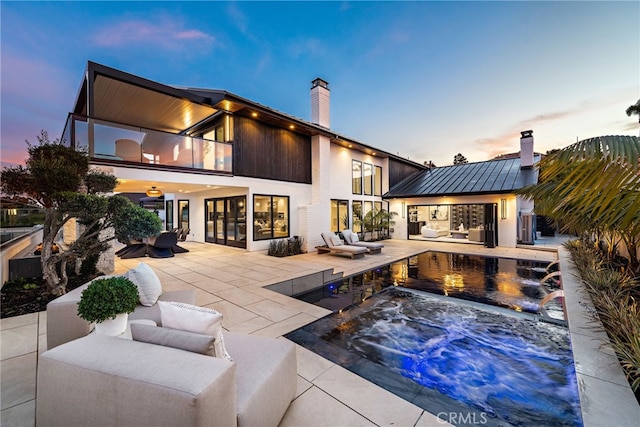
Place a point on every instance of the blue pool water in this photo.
(500, 366)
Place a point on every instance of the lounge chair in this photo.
(352, 239)
(335, 246)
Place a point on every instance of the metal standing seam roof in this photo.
(489, 177)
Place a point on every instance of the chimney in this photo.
(320, 99)
(526, 149)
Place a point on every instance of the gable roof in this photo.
(490, 177)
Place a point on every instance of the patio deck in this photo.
(231, 281)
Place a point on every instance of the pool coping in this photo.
(605, 395)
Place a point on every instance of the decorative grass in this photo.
(615, 295)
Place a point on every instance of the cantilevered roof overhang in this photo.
(116, 96)
(490, 177)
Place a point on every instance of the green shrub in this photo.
(286, 247)
(106, 298)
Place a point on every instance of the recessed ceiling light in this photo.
(292, 127)
(254, 114)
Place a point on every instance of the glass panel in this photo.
(334, 216)
(219, 218)
(81, 134)
(343, 214)
(356, 177)
(210, 231)
(368, 179)
(169, 214)
(116, 143)
(280, 209)
(241, 219)
(231, 219)
(261, 217)
(377, 188)
(183, 213)
(356, 208)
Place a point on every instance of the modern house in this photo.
(232, 171)
(471, 202)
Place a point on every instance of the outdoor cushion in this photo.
(148, 283)
(187, 317)
(189, 341)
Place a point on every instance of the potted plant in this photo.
(107, 303)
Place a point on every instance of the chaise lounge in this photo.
(335, 246)
(352, 239)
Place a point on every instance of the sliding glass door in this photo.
(226, 221)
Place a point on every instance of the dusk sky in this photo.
(425, 80)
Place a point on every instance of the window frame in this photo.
(271, 219)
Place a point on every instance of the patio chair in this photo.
(352, 239)
(335, 246)
(133, 250)
(161, 248)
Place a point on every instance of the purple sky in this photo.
(425, 80)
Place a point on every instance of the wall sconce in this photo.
(153, 192)
(404, 208)
(503, 208)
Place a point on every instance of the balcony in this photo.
(113, 143)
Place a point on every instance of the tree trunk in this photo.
(47, 260)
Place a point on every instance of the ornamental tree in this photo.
(59, 179)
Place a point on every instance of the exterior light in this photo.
(292, 127)
(154, 192)
(503, 208)
(254, 114)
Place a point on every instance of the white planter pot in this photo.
(113, 327)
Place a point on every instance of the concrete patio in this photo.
(232, 281)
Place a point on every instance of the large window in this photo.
(270, 217)
(356, 177)
(339, 215)
(368, 179)
(377, 181)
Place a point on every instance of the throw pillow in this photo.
(191, 318)
(149, 286)
(183, 340)
(354, 237)
(335, 240)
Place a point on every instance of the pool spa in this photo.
(484, 357)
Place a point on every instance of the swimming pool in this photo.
(493, 364)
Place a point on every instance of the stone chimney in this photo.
(320, 100)
(526, 149)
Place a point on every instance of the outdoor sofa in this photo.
(92, 379)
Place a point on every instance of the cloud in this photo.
(164, 32)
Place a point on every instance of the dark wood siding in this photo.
(263, 151)
(400, 170)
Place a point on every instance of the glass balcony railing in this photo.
(114, 142)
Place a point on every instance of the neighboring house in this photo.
(233, 171)
(480, 196)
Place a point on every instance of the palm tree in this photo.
(593, 186)
(634, 109)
